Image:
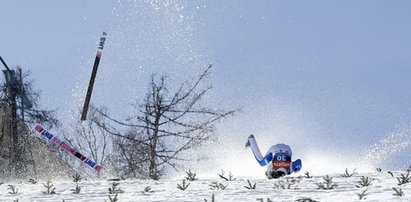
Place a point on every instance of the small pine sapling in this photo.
(184, 186)
(147, 190)
(217, 186)
(50, 189)
(347, 174)
(364, 182)
(115, 189)
(13, 189)
(307, 175)
(287, 183)
(404, 179)
(398, 192)
(328, 183)
(250, 186)
(230, 176)
(155, 176)
(361, 196)
(76, 178)
(191, 176)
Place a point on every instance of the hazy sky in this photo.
(322, 76)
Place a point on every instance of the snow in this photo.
(380, 189)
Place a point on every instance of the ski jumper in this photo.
(278, 157)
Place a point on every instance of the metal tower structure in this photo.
(16, 98)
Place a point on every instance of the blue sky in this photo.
(319, 75)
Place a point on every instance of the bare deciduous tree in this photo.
(169, 124)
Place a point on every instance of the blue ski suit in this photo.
(278, 159)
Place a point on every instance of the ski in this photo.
(66, 147)
(93, 76)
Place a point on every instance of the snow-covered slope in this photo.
(295, 188)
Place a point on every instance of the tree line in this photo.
(164, 128)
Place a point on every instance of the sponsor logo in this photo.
(101, 43)
(281, 164)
